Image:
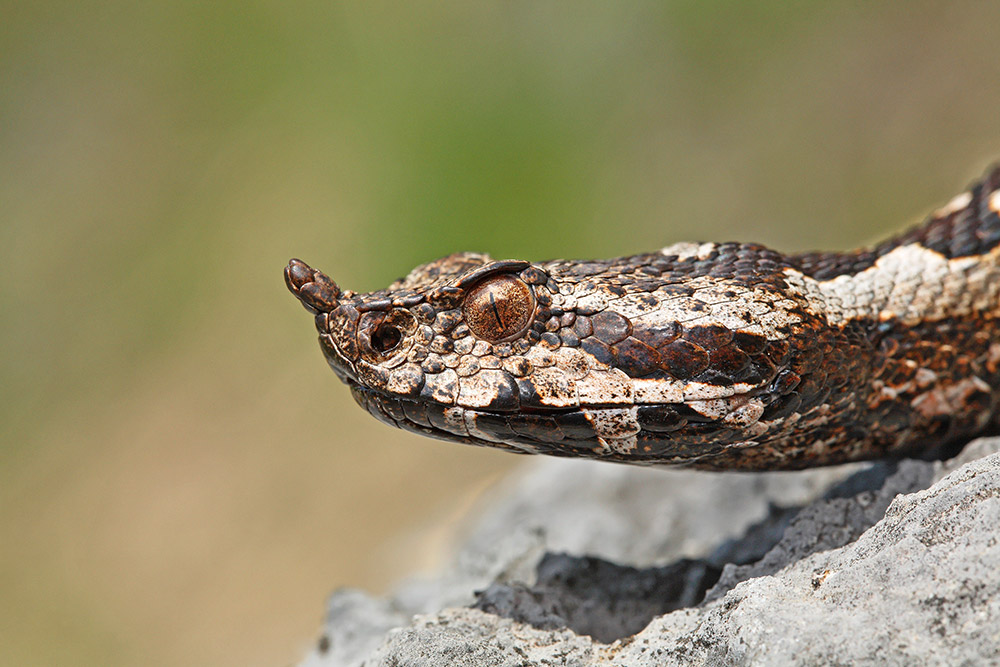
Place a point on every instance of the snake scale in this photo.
(721, 356)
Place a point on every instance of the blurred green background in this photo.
(182, 480)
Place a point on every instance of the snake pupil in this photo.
(496, 313)
(386, 337)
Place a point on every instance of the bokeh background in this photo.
(182, 480)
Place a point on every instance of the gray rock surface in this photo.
(577, 563)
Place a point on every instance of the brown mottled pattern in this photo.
(716, 356)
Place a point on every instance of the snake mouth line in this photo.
(677, 429)
(637, 434)
(696, 411)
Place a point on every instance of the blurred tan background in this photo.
(182, 479)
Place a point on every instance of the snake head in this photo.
(418, 337)
(590, 359)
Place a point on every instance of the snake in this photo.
(715, 356)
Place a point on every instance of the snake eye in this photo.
(499, 308)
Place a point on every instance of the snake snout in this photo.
(316, 291)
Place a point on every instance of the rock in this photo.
(579, 563)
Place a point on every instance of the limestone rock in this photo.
(577, 563)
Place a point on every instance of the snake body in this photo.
(710, 355)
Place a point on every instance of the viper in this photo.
(722, 356)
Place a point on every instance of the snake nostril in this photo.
(386, 338)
